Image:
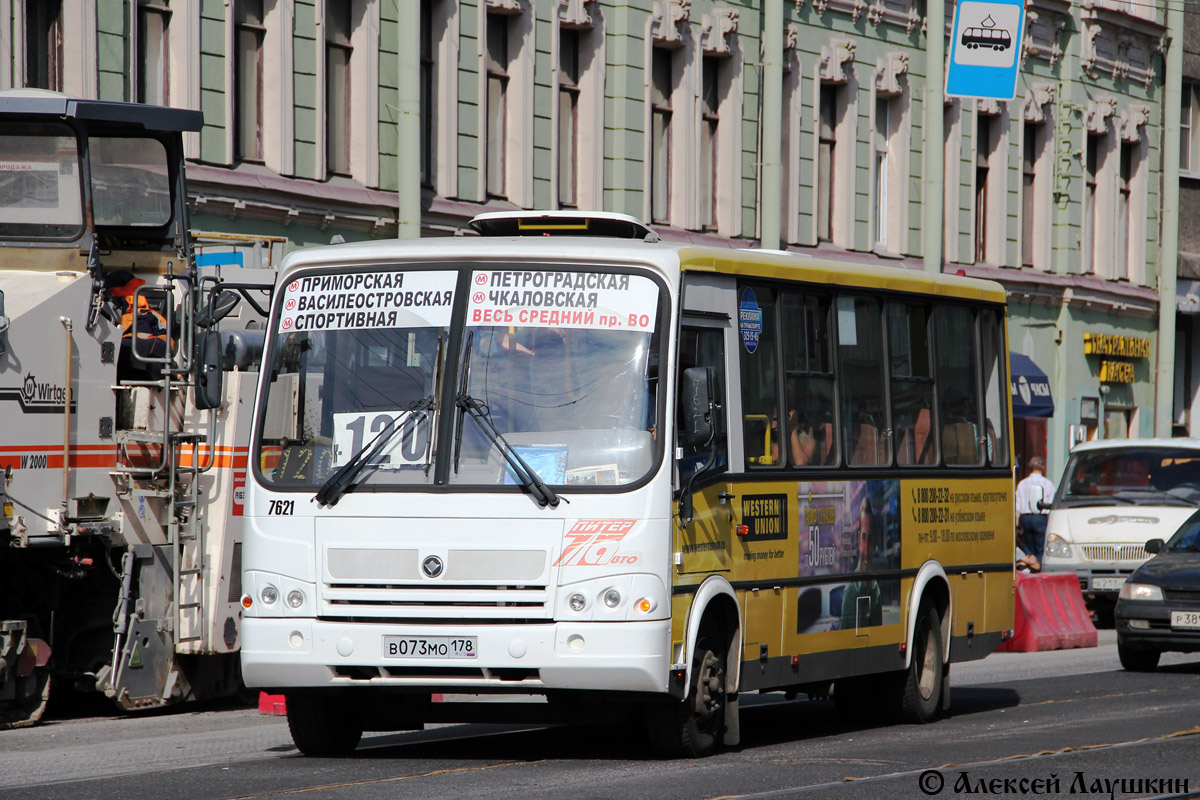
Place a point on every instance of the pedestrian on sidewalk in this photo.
(1035, 488)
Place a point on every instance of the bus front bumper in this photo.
(280, 653)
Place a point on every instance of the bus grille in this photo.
(1113, 552)
(436, 603)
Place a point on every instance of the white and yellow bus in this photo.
(564, 458)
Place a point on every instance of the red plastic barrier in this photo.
(274, 705)
(1050, 614)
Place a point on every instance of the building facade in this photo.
(1186, 406)
(659, 109)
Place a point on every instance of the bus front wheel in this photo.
(692, 728)
(921, 695)
(322, 725)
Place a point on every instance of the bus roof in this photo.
(668, 258)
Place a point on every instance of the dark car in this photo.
(1159, 605)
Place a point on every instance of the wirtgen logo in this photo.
(38, 397)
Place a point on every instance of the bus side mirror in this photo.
(697, 395)
(1154, 545)
(208, 376)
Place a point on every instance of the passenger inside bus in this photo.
(802, 445)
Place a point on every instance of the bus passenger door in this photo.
(704, 544)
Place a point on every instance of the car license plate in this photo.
(1107, 584)
(1185, 619)
(430, 646)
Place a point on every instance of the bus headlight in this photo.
(1057, 546)
(1141, 591)
(269, 595)
(612, 598)
(295, 598)
(577, 602)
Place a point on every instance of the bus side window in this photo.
(958, 385)
(860, 353)
(764, 423)
(995, 383)
(911, 367)
(808, 372)
(703, 347)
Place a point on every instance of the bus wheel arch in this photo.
(924, 685)
(715, 606)
(931, 585)
(707, 715)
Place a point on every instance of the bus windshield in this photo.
(545, 369)
(564, 364)
(1132, 475)
(356, 355)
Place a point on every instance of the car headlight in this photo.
(1141, 591)
(1057, 546)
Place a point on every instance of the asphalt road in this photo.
(1072, 720)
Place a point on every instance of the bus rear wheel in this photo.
(924, 680)
(693, 727)
(322, 725)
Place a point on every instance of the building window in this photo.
(1028, 197)
(152, 76)
(710, 122)
(497, 102)
(337, 87)
(661, 84)
(883, 130)
(1125, 227)
(249, 33)
(427, 93)
(43, 44)
(827, 119)
(984, 142)
(568, 117)
(1189, 122)
(1091, 168)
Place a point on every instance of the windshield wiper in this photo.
(346, 475)
(527, 475)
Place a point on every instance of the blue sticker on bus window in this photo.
(750, 320)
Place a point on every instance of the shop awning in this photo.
(1030, 388)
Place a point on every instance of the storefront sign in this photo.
(1107, 344)
(1104, 344)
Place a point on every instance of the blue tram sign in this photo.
(985, 49)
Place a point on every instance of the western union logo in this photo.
(1104, 344)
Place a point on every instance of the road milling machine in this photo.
(127, 375)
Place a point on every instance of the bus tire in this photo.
(322, 725)
(1135, 659)
(693, 727)
(921, 695)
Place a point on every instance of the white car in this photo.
(1114, 496)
